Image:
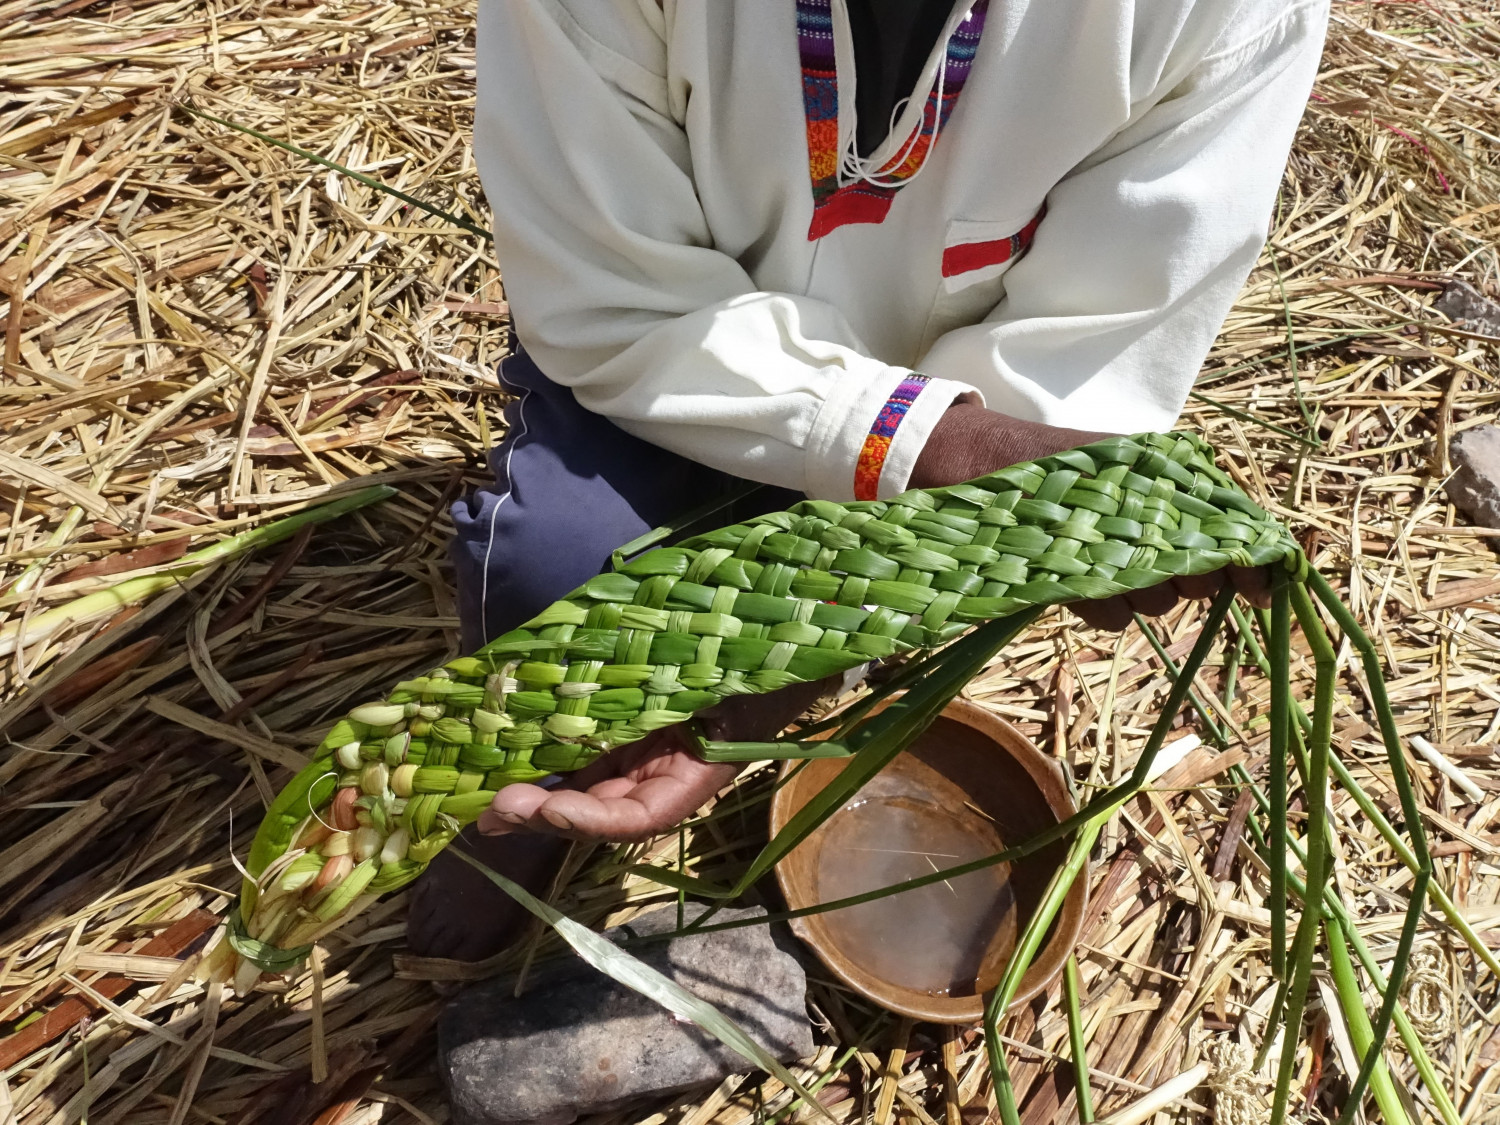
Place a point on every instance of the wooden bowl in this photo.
(971, 786)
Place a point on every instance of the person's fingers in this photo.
(512, 809)
(617, 776)
(594, 814)
(651, 807)
(611, 787)
(547, 817)
(662, 790)
(609, 764)
(1254, 583)
(585, 816)
(1198, 585)
(1112, 614)
(758, 718)
(1154, 600)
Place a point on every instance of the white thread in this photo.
(484, 585)
(234, 859)
(315, 816)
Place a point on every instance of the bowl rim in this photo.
(1050, 780)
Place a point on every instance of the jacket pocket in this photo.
(976, 251)
(976, 256)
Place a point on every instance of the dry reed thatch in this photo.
(204, 334)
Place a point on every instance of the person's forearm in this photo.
(971, 441)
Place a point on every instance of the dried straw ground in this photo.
(205, 333)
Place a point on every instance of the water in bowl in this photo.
(942, 939)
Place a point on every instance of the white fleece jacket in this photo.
(648, 167)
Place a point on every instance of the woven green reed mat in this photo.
(784, 598)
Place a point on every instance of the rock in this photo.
(1474, 311)
(1475, 483)
(577, 1043)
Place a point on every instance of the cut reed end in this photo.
(338, 863)
(388, 788)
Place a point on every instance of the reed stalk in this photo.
(997, 1004)
(100, 604)
(1315, 785)
(1077, 1048)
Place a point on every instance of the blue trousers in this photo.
(570, 487)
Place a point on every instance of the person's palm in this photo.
(633, 793)
(650, 786)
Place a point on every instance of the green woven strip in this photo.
(798, 595)
(785, 598)
(266, 957)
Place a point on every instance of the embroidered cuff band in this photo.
(878, 441)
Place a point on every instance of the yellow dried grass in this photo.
(167, 273)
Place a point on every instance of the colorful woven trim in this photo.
(835, 206)
(878, 441)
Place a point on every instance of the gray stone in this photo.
(1474, 311)
(576, 1042)
(1475, 483)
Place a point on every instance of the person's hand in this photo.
(970, 441)
(648, 787)
(632, 793)
(1114, 614)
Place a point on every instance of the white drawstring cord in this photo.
(854, 168)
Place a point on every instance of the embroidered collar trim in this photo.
(838, 204)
